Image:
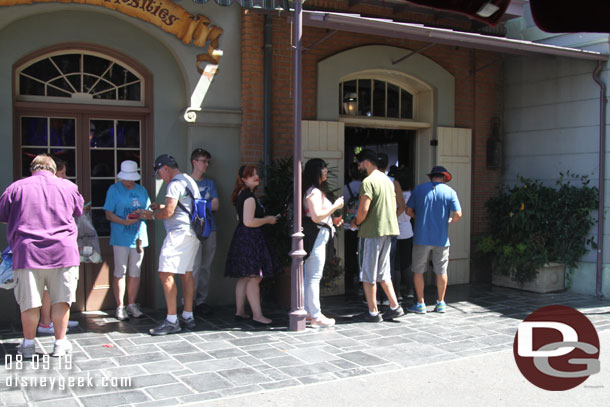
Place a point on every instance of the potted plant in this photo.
(533, 226)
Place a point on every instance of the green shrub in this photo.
(532, 224)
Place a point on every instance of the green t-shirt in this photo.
(381, 219)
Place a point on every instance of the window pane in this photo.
(119, 75)
(63, 132)
(130, 92)
(364, 97)
(69, 156)
(101, 133)
(29, 86)
(99, 187)
(102, 163)
(406, 104)
(95, 65)
(75, 81)
(133, 155)
(51, 91)
(100, 223)
(350, 98)
(68, 63)
(111, 94)
(128, 133)
(27, 155)
(393, 92)
(379, 99)
(34, 131)
(43, 70)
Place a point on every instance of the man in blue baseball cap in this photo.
(433, 205)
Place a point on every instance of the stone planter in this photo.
(550, 277)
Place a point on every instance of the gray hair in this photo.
(43, 162)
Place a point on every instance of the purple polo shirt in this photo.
(40, 213)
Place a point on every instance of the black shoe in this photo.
(165, 328)
(367, 317)
(204, 309)
(391, 314)
(239, 318)
(261, 325)
(188, 323)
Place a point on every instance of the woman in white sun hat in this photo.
(125, 200)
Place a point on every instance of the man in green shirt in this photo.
(377, 220)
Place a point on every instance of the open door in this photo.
(454, 152)
(325, 140)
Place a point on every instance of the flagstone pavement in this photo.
(117, 363)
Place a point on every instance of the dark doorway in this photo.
(399, 145)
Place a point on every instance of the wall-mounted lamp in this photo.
(350, 103)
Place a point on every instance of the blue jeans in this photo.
(312, 271)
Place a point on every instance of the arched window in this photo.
(79, 77)
(374, 98)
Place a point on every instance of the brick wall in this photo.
(478, 93)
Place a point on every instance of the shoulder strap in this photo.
(188, 191)
(351, 194)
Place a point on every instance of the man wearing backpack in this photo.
(200, 159)
(180, 246)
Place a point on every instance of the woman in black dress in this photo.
(250, 257)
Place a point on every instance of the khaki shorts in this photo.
(421, 254)
(178, 252)
(127, 259)
(60, 282)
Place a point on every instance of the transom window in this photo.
(374, 98)
(80, 77)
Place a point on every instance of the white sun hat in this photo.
(129, 171)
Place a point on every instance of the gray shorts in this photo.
(60, 282)
(127, 259)
(421, 254)
(375, 259)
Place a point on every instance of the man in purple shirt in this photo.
(41, 232)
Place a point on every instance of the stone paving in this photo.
(118, 363)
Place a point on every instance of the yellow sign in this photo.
(164, 14)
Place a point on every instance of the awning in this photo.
(261, 4)
(419, 32)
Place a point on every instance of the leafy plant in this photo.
(333, 269)
(278, 200)
(533, 224)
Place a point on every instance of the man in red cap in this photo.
(434, 206)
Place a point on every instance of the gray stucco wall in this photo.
(552, 125)
(25, 29)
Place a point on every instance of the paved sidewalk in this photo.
(222, 359)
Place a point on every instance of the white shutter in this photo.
(454, 152)
(325, 140)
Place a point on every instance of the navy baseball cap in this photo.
(440, 170)
(164, 159)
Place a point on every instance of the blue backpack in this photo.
(200, 215)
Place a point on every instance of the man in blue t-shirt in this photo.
(200, 159)
(434, 206)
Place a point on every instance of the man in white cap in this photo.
(180, 245)
(434, 206)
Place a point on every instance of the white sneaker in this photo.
(134, 310)
(62, 348)
(50, 329)
(72, 324)
(385, 302)
(121, 314)
(322, 322)
(26, 352)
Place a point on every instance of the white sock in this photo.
(172, 318)
(28, 342)
(374, 314)
(61, 341)
(394, 309)
(187, 315)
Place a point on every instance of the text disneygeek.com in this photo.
(19, 369)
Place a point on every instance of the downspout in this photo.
(602, 180)
(267, 66)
